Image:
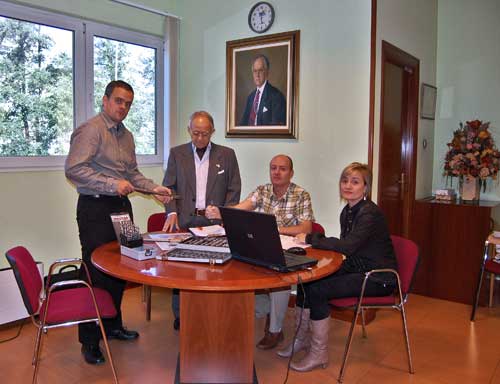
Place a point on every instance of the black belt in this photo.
(199, 212)
(101, 197)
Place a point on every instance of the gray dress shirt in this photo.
(102, 153)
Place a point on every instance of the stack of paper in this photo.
(289, 242)
(211, 230)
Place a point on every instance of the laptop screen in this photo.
(253, 236)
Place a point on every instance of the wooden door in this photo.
(398, 137)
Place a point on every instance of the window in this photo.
(45, 60)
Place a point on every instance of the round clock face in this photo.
(261, 17)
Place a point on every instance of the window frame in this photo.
(83, 78)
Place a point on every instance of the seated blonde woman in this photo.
(366, 243)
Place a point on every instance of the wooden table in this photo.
(217, 307)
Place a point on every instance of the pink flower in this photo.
(484, 172)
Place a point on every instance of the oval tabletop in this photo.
(233, 275)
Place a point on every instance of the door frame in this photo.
(411, 66)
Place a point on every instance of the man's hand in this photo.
(124, 187)
(212, 212)
(165, 196)
(171, 224)
(301, 238)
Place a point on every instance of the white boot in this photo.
(318, 354)
(302, 340)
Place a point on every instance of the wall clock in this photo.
(261, 17)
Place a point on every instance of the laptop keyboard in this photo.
(197, 256)
(292, 259)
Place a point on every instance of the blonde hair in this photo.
(363, 170)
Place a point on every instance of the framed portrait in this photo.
(262, 86)
(428, 102)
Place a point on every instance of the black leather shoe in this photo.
(92, 354)
(177, 323)
(123, 334)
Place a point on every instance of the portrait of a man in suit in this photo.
(265, 105)
(262, 86)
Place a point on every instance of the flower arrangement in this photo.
(472, 152)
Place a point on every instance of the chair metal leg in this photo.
(480, 280)
(363, 323)
(492, 287)
(37, 342)
(147, 297)
(349, 341)
(108, 351)
(407, 339)
(103, 332)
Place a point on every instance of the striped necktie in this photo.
(253, 113)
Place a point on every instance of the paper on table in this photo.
(289, 242)
(164, 246)
(171, 237)
(211, 230)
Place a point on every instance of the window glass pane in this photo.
(36, 92)
(135, 64)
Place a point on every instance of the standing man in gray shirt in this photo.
(102, 165)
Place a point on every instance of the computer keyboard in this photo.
(197, 256)
(293, 259)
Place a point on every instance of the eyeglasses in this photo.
(258, 71)
(202, 134)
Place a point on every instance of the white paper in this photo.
(289, 242)
(211, 230)
(168, 236)
(164, 246)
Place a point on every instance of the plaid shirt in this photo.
(293, 208)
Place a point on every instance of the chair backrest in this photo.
(316, 227)
(407, 256)
(156, 221)
(27, 276)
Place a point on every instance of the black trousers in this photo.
(338, 285)
(95, 228)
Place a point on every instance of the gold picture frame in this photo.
(275, 117)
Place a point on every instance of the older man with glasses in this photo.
(202, 173)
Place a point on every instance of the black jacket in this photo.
(367, 245)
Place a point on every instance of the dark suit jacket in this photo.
(223, 182)
(272, 107)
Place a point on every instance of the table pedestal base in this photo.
(217, 337)
(177, 379)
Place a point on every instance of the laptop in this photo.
(253, 238)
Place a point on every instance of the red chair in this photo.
(76, 304)
(316, 227)
(155, 224)
(407, 257)
(491, 267)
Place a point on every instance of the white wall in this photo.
(334, 88)
(410, 25)
(468, 74)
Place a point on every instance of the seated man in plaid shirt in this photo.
(292, 207)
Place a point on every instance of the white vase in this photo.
(469, 188)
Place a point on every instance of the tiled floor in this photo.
(446, 347)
